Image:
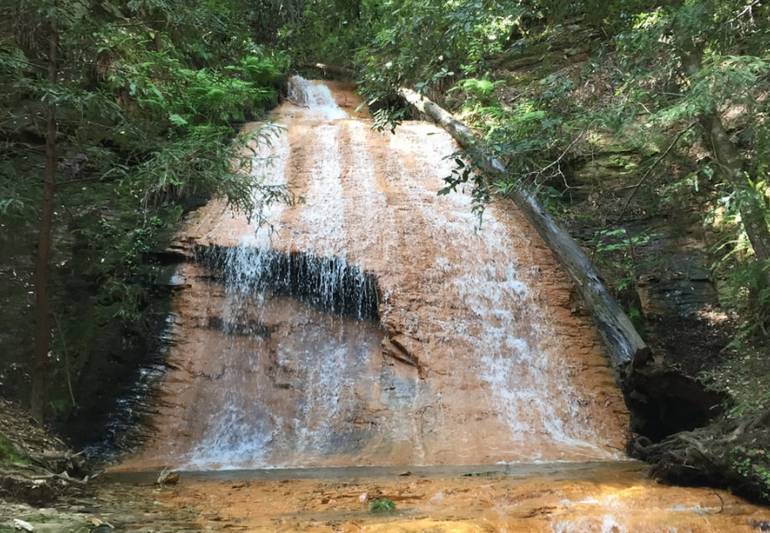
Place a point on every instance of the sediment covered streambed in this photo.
(374, 324)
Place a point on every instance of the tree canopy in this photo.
(137, 103)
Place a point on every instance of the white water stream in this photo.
(287, 381)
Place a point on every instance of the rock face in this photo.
(474, 354)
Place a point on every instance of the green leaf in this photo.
(177, 120)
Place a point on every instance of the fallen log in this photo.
(625, 345)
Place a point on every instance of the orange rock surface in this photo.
(505, 370)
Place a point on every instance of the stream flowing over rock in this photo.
(372, 321)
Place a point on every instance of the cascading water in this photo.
(375, 323)
(316, 98)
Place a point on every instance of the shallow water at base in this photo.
(596, 497)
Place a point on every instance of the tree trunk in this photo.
(749, 203)
(624, 343)
(731, 164)
(39, 392)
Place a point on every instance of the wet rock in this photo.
(393, 347)
(249, 328)
(167, 477)
(22, 525)
(100, 525)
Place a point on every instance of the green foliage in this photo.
(382, 505)
(466, 170)
(328, 29)
(421, 43)
(744, 375)
(616, 252)
(753, 464)
(478, 90)
(426, 43)
(745, 290)
(9, 456)
(720, 82)
(201, 163)
(742, 280)
(149, 97)
(699, 60)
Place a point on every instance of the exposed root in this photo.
(729, 453)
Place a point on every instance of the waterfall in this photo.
(375, 323)
(315, 97)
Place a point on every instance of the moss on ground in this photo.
(9, 455)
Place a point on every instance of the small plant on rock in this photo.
(382, 505)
